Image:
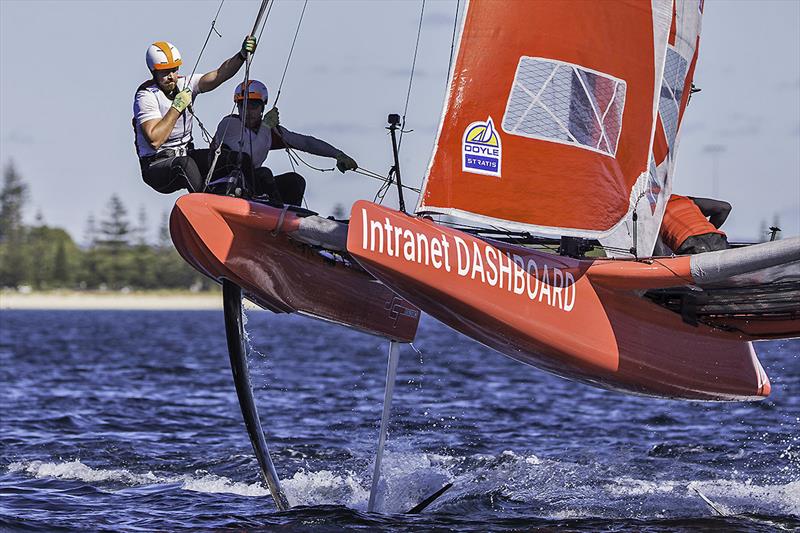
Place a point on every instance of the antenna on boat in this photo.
(394, 123)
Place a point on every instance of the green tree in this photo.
(13, 196)
(53, 257)
(143, 255)
(61, 269)
(37, 248)
(142, 227)
(89, 276)
(13, 260)
(113, 244)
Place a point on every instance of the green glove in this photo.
(182, 100)
(345, 162)
(271, 118)
(248, 46)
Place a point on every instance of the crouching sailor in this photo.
(162, 124)
(244, 147)
(685, 228)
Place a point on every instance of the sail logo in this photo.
(481, 150)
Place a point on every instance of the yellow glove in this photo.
(271, 118)
(345, 162)
(248, 46)
(182, 100)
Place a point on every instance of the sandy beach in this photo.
(112, 300)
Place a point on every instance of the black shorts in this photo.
(697, 244)
(167, 174)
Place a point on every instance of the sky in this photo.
(69, 70)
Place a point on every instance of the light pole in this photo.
(714, 150)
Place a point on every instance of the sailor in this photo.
(162, 117)
(686, 228)
(244, 147)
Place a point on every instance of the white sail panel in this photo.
(650, 195)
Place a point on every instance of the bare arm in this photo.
(211, 80)
(717, 211)
(157, 131)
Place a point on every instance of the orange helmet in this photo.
(255, 91)
(162, 55)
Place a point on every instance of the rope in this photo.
(211, 30)
(376, 176)
(266, 17)
(453, 40)
(291, 51)
(294, 158)
(381, 193)
(190, 108)
(206, 135)
(411, 77)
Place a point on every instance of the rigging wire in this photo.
(266, 17)
(376, 176)
(211, 30)
(291, 51)
(381, 193)
(411, 77)
(453, 41)
(190, 108)
(295, 159)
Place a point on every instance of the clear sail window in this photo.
(565, 103)
(671, 93)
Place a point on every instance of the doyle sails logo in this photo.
(481, 149)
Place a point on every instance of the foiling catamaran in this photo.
(558, 136)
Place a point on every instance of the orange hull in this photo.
(580, 319)
(231, 238)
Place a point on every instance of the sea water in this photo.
(128, 421)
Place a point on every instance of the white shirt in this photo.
(151, 103)
(258, 144)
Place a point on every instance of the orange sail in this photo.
(550, 115)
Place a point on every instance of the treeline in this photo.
(115, 253)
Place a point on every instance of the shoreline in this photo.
(113, 300)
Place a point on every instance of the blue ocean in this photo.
(128, 421)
